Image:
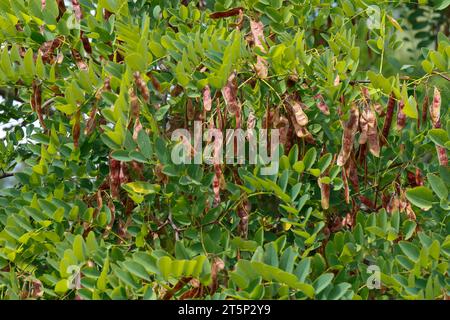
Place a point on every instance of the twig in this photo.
(6, 175)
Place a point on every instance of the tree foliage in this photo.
(93, 207)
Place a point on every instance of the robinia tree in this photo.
(93, 204)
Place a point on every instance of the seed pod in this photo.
(379, 109)
(134, 102)
(257, 29)
(388, 120)
(435, 109)
(78, 60)
(425, 109)
(216, 184)
(324, 195)
(207, 103)
(36, 102)
(346, 188)
(190, 111)
(114, 180)
(348, 136)
(321, 105)
(372, 134)
(226, 14)
(364, 125)
(137, 127)
(216, 267)
(442, 156)
(155, 82)
(401, 117)
(76, 129)
(142, 86)
(297, 109)
(77, 10)
(229, 93)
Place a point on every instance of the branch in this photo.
(6, 175)
(442, 75)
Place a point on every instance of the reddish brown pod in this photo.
(348, 137)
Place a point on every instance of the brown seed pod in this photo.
(229, 93)
(226, 14)
(388, 120)
(372, 134)
(207, 102)
(114, 179)
(190, 111)
(76, 129)
(142, 86)
(442, 156)
(350, 129)
(435, 108)
(324, 194)
(297, 110)
(321, 105)
(257, 29)
(401, 117)
(425, 109)
(134, 102)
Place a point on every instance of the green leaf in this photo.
(322, 282)
(62, 286)
(309, 158)
(164, 266)
(145, 144)
(136, 269)
(410, 250)
(78, 248)
(438, 186)
(141, 187)
(421, 197)
(438, 136)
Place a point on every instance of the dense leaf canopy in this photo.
(92, 205)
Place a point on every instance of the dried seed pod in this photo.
(426, 101)
(207, 102)
(257, 29)
(134, 102)
(435, 108)
(137, 127)
(176, 91)
(324, 195)
(229, 93)
(114, 180)
(297, 109)
(388, 120)
(321, 105)
(142, 86)
(379, 109)
(77, 10)
(216, 267)
(401, 117)
(47, 48)
(364, 125)
(36, 102)
(372, 133)
(348, 136)
(442, 156)
(226, 14)
(243, 211)
(155, 82)
(76, 129)
(216, 184)
(79, 60)
(190, 111)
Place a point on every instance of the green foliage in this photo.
(93, 207)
